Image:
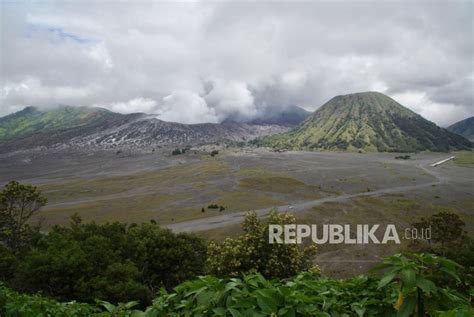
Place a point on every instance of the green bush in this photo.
(251, 252)
(306, 294)
(111, 261)
(450, 240)
(403, 157)
(415, 276)
(18, 203)
(252, 295)
(13, 304)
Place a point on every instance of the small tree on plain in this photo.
(18, 203)
(251, 251)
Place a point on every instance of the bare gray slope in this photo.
(79, 127)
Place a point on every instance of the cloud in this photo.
(230, 99)
(444, 114)
(32, 91)
(236, 59)
(100, 54)
(133, 105)
(186, 107)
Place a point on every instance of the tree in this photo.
(449, 240)
(251, 252)
(111, 261)
(18, 203)
(447, 230)
(165, 258)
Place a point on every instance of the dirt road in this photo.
(209, 223)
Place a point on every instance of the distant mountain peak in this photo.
(369, 121)
(32, 120)
(464, 127)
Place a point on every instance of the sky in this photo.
(202, 61)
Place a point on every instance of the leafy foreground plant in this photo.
(306, 294)
(253, 295)
(418, 295)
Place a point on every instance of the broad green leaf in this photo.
(386, 279)
(426, 285)
(235, 312)
(266, 301)
(220, 311)
(409, 277)
(451, 273)
(407, 308)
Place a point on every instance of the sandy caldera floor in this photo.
(318, 187)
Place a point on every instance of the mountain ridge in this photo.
(464, 127)
(31, 120)
(101, 128)
(368, 121)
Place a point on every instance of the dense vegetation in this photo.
(144, 270)
(114, 261)
(404, 290)
(448, 239)
(369, 121)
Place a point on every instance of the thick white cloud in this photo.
(442, 113)
(31, 91)
(144, 105)
(186, 107)
(236, 59)
(231, 99)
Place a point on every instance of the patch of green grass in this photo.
(426, 174)
(128, 209)
(280, 184)
(150, 181)
(465, 159)
(271, 183)
(354, 180)
(244, 200)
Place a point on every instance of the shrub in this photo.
(403, 157)
(251, 252)
(448, 239)
(110, 261)
(18, 203)
(253, 295)
(414, 276)
(306, 294)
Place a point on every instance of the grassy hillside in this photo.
(464, 127)
(31, 120)
(369, 121)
